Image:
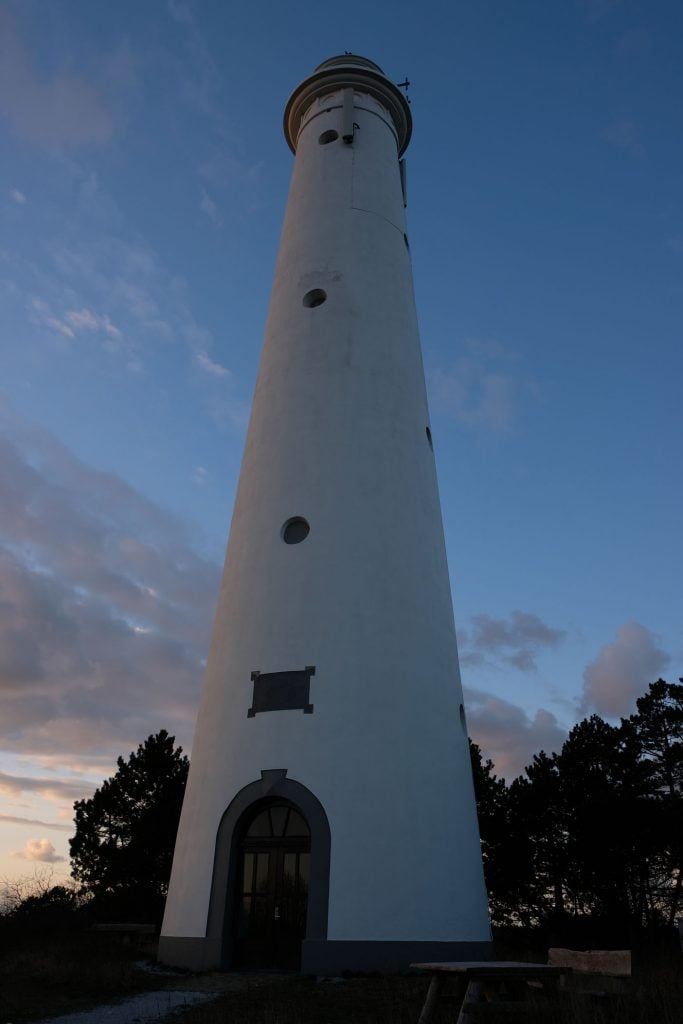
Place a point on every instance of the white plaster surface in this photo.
(338, 435)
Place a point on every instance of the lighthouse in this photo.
(329, 821)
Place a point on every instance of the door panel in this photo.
(273, 896)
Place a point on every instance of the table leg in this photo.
(463, 988)
(430, 1002)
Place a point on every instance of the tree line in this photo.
(592, 834)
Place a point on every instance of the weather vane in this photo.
(404, 85)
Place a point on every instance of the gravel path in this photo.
(150, 1006)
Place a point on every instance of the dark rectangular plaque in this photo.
(281, 691)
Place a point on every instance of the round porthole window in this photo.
(328, 136)
(315, 297)
(295, 530)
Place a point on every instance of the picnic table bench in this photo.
(485, 984)
(128, 933)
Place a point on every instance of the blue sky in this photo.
(143, 180)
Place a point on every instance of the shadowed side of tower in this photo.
(329, 820)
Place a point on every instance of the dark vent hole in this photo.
(295, 530)
(429, 438)
(315, 297)
(328, 136)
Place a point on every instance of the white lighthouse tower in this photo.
(329, 820)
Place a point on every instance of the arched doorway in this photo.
(272, 886)
(274, 787)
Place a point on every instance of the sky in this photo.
(143, 182)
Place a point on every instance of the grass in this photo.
(46, 978)
(654, 998)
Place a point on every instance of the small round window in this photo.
(315, 297)
(328, 136)
(295, 530)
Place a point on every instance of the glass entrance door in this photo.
(273, 895)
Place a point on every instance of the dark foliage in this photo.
(123, 847)
(588, 843)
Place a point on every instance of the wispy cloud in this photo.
(86, 320)
(18, 197)
(624, 134)
(622, 671)
(209, 366)
(596, 10)
(209, 207)
(200, 79)
(482, 388)
(75, 321)
(516, 641)
(40, 850)
(52, 111)
(54, 789)
(107, 608)
(12, 819)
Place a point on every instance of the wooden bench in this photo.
(598, 975)
(613, 963)
(487, 986)
(137, 936)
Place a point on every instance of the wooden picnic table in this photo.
(505, 982)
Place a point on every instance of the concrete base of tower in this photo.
(193, 953)
(326, 957)
(330, 957)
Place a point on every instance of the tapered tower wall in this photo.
(338, 436)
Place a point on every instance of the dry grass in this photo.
(653, 998)
(53, 976)
(46, 978)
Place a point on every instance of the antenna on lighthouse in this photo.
(329, 820)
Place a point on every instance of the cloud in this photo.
(75, 321)
(18, 197)
(479, 388)
(12, 819)
(517, 641)
(39, 850)
(208, 365)
(86, 320)
(50, 789)
(622, 671)
(596, 10)
(624, 134)
(106, 610)
(145, 304)
(508, 734)
(209, 207)
(199, 78)
(56, 111)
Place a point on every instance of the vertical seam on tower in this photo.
(353, 172)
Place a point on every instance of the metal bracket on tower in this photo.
(348, 125)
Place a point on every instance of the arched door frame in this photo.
(220, 926)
